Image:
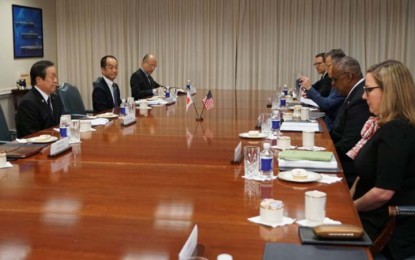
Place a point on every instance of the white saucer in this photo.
(311, 177)
(42, 140)
(259, 136)
(143, 108)
(279, 148)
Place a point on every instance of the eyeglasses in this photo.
(336, 78)
(369, 89)
(317, 63)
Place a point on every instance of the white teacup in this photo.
(143, 104)
(284, 142)
(315, 206)
(287, 116)
(85, 125)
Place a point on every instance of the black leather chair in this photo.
(382, 239)
(72, 101)
(5, 134)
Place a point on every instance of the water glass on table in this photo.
(265, 119)
(251, 161)
(75, 129)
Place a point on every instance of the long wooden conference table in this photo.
(136, 192)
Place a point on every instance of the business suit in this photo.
(330, 104)
(346, 129)
(33, 113)
(102, 97)
(323, 85)
(140, 85)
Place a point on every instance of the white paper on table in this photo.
(300, 126)
(308, 223)
(99, 121)
(329, 179)
(285, 221)
(308, 164)
(309, 102)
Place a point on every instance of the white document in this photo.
(308, 101)
(189, 246)
(308, 164)
(300, 126)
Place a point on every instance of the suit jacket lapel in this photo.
(109, 96)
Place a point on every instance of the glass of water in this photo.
(251, 161)
(265, 119)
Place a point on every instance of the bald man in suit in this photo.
(141, 82)
(40, 108)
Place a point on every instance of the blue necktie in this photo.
(115, 95)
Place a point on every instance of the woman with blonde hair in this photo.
(385, 156)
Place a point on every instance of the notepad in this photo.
(294, 155)
(300, 126)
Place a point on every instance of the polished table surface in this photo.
(136, 192)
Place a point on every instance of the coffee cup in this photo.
(143, 104)
(85, 125)
(315, 206)
(287, 116)
(305, 113)
(284, 142)
(308, 139)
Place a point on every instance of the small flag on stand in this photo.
(208, 101)
(189, 101)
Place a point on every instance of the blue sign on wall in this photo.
(27, 31)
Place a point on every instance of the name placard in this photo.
(59, 146)
(189, 246)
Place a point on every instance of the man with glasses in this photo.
(323, 85)
(354, 112)
(141, 82)
(330, 104)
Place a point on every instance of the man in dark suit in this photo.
(323, 85)
(352, 115)
(141, 82)
(40, 108)
(332, 103)
(106, 93)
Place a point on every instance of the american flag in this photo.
(208, 101)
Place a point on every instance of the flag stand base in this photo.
(199, 119)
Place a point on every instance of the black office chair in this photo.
(96, 82)
(5, 134)
(383, 238)
(72, 101)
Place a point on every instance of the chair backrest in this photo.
(5, 134)
(96, 82)
(71, 100)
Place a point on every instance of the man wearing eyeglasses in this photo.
(348, 80)
(323, 85)
(141, 82)
(330, 104)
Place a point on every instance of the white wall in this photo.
(10, 68)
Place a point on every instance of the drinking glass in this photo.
(251, 161)
(265, 119)
(75, 129)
